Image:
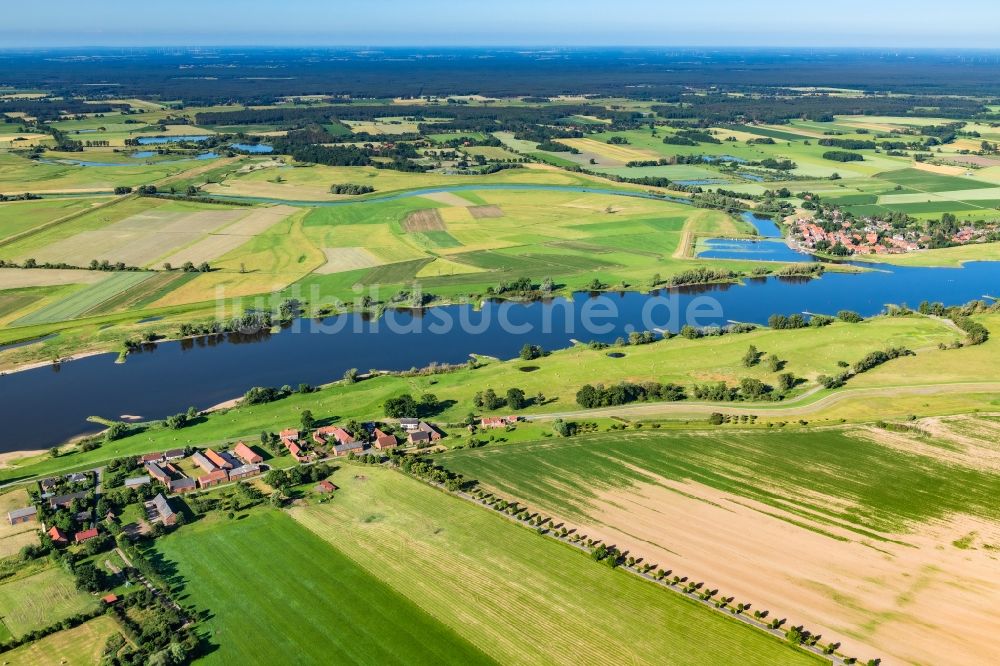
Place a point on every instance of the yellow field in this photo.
(609, 151)
(80, 646)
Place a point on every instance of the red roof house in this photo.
(110, 598)
(322, 435)
(217, 460)
(247, 454)
(57, 535)
(85, 535)
(325, 487)
(213, 478)
(384, 440)
(289, 433)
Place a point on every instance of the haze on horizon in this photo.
(734, 23)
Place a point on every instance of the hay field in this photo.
(820, 526)
(606, 153)
(19, 278)
(14, 537)
(231, 236)
(342, 259)
(140, 239)
(40, 599)
(519, 598)
(79, 646)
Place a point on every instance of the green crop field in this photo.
(273, 589)
(86, 299)
(520, 598)
(41, 599)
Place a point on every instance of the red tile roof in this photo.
(217, 460)
(85, 535)
(247, 454)
(109, 598)
(56, 534)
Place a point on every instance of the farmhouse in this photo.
(110, 598)
(409, 424)
(158, 473)
(243, 472)
(497, 421)
(63, 501)
(137, 481)
(325, 487)
(49, 484)
(85, 535)
(349, 447)
(323, 435)
(77, 477)
(384, 440)
(203, 462)
(162, 511)
(423, 434)
(184, 485)
(289, 433)
(18, 516)
(213, 478)
(151, 458)
(295, 450)
(57, 535)
(247, 455)
(217, 460)
(174, 455)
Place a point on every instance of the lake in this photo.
(254, 148)
(169, 377)
(157, 140)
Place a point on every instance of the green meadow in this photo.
(271, 588)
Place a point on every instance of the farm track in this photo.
(673, 408)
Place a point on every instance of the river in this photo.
(46, 406)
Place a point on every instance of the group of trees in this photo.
(405, 406)
(843, 156)
(349, 188)
(623, 393)
(514, 398)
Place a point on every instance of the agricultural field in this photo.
(802, 522)
(79, 646)
(322, 610)
(456, 570)
(15, 537)
(36, 599)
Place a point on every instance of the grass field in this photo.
(520, 598)
(40, 599)
(19, 216)
(79, 646)
(321, 607)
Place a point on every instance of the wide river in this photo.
(48, 405)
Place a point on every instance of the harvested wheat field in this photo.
(341, 259)
(886, 541)
(230, 237)
(424, 220)
(17, 278)
(138, 240)
(488, 211)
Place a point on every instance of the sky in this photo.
(875, 23)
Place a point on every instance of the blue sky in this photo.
(892, 23)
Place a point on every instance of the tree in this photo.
(530, 352)
(786, 381)
(491, 400)
(752, 357)
(516, 398)
(307, 420)
(351, 375)
(401, 406)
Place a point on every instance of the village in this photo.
(874, 236)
